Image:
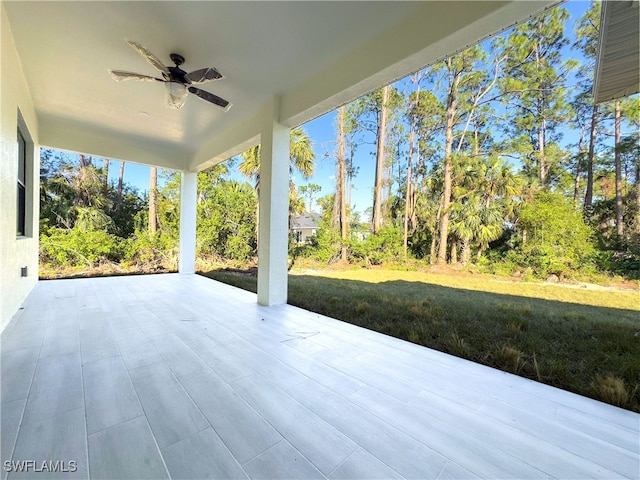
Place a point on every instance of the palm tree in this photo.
(474, 221)
(250, 165)
(296, 203)
(483, 194)
(490, 229)
(498, 180)
(91, 218)
(301, 158)
(300, 152)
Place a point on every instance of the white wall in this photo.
(15, 252)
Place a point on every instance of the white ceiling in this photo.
(313, 55)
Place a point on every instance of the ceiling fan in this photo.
(177, 82)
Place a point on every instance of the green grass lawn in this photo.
(585, 340)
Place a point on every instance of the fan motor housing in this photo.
(177, 59)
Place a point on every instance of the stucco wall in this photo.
(305, 234)
(15, 252)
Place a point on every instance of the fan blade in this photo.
(210, 97)
(204, 75)
(149, 57)
(119, 76)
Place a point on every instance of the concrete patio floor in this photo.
(171, 376)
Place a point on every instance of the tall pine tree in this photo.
(535, 93)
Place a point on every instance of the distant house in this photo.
(360, 230)
(304, 227)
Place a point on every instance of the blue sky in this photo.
(134, 174)
(322, 132)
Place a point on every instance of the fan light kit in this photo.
(177, 82)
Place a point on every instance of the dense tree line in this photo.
(86, 221)
(470, 157)
(496, 156)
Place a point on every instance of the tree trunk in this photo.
(153, 201)
(637, 214)
(409, 193)
(341, 187)
(578, 175)
(432, 249)
(576, 185)
(413, 204)
(454, 253)
(409, 207)
(618, 167)
(452, 102)
(588, 196)
(106, 174)
(377, 189)
(335, 208)
(349, 186)
(542, 161)
(85, 160)
(464, 248)
(434, 238)
(446, 203)
(543, 166)
(120, 186)
(310, 202)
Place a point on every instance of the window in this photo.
(25, 153)
(22, 186)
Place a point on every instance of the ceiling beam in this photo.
(79, 137)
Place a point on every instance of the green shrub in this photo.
(623, 263)
(226, 220)
(384, 247)
(75, 247)
(554, 238)
(324, 246)
(144, 248)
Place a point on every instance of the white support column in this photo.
(188, 197)
(273, 228)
